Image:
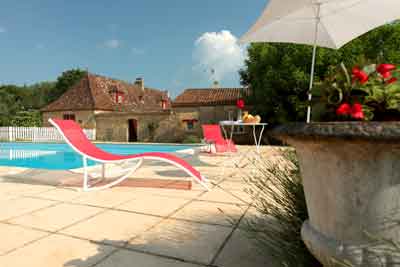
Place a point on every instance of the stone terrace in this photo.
(43, 225)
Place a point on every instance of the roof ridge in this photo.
(220, 88)
(128, 83)
(111, 78)
(92, 98)
(92, 93)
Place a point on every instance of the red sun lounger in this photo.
(212, 135)
(76, 138)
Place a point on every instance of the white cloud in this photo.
(2, 29)
(112, 43)
(137, 51)
(219, 51)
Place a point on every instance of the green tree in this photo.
(10, 103)
(279, 74)
(29, 118)
(20, 105)
(38, 95)
(64, 82)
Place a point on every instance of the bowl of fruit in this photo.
(248, 118)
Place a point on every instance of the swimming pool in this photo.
(62, 157)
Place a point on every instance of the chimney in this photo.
(215, 85)
(140, 83)
(165, 100)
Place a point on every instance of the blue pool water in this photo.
(62, 157)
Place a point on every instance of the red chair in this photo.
(76, 138)
(213, 136)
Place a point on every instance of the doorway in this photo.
(132, 130)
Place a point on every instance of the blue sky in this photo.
(173, 44)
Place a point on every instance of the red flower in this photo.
(386, 75)
(385, 70)
(392, 80)
(357, 112)
(359, 75)
(343, 110)
(356, 70)
(240, 103)
(382, 68)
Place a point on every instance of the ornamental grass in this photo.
(277, 192)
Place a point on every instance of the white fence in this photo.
(36, 134)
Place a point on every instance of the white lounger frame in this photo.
(86, 176)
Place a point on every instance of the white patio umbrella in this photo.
(324, 23)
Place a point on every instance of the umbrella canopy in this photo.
(325, 23)
(339, 21)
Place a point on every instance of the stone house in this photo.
(195, 107)
(119, 111)
(125, 112)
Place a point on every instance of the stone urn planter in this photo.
(351, 177)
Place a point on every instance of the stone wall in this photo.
(160, 127)
(84, 117)
(168, 127)
(204, 115)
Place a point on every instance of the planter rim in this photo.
(384, 131)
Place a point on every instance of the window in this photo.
(163, 104)
(230, 115)
(190, 124)
(141, 99)
(69, 117)
(120, 97)
(117, 96)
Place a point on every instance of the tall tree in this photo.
(64, 82)
(278, 74)
(20, 105)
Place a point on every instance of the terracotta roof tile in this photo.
(93, 92)
(209, 96)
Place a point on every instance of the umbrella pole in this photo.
(313, 63)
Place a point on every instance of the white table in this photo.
(233, 124)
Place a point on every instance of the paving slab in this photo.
(237, 185)
(173, 193)
(6, 188)
(185, 240)
(14, 237)
(226, 196)
(153, 204)
(61, 194)
(5, 197)
(40, 176)
(125, 258)
(105, 198)
(20, 206)
(56, 217)
(197, 234)
(19, 189)
(240, 251)
(57, 251)
(210, 212)
(112, 225)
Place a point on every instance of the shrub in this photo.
(191, 139)
(278, 196)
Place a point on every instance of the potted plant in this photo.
(373, 93)
(351, 165)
